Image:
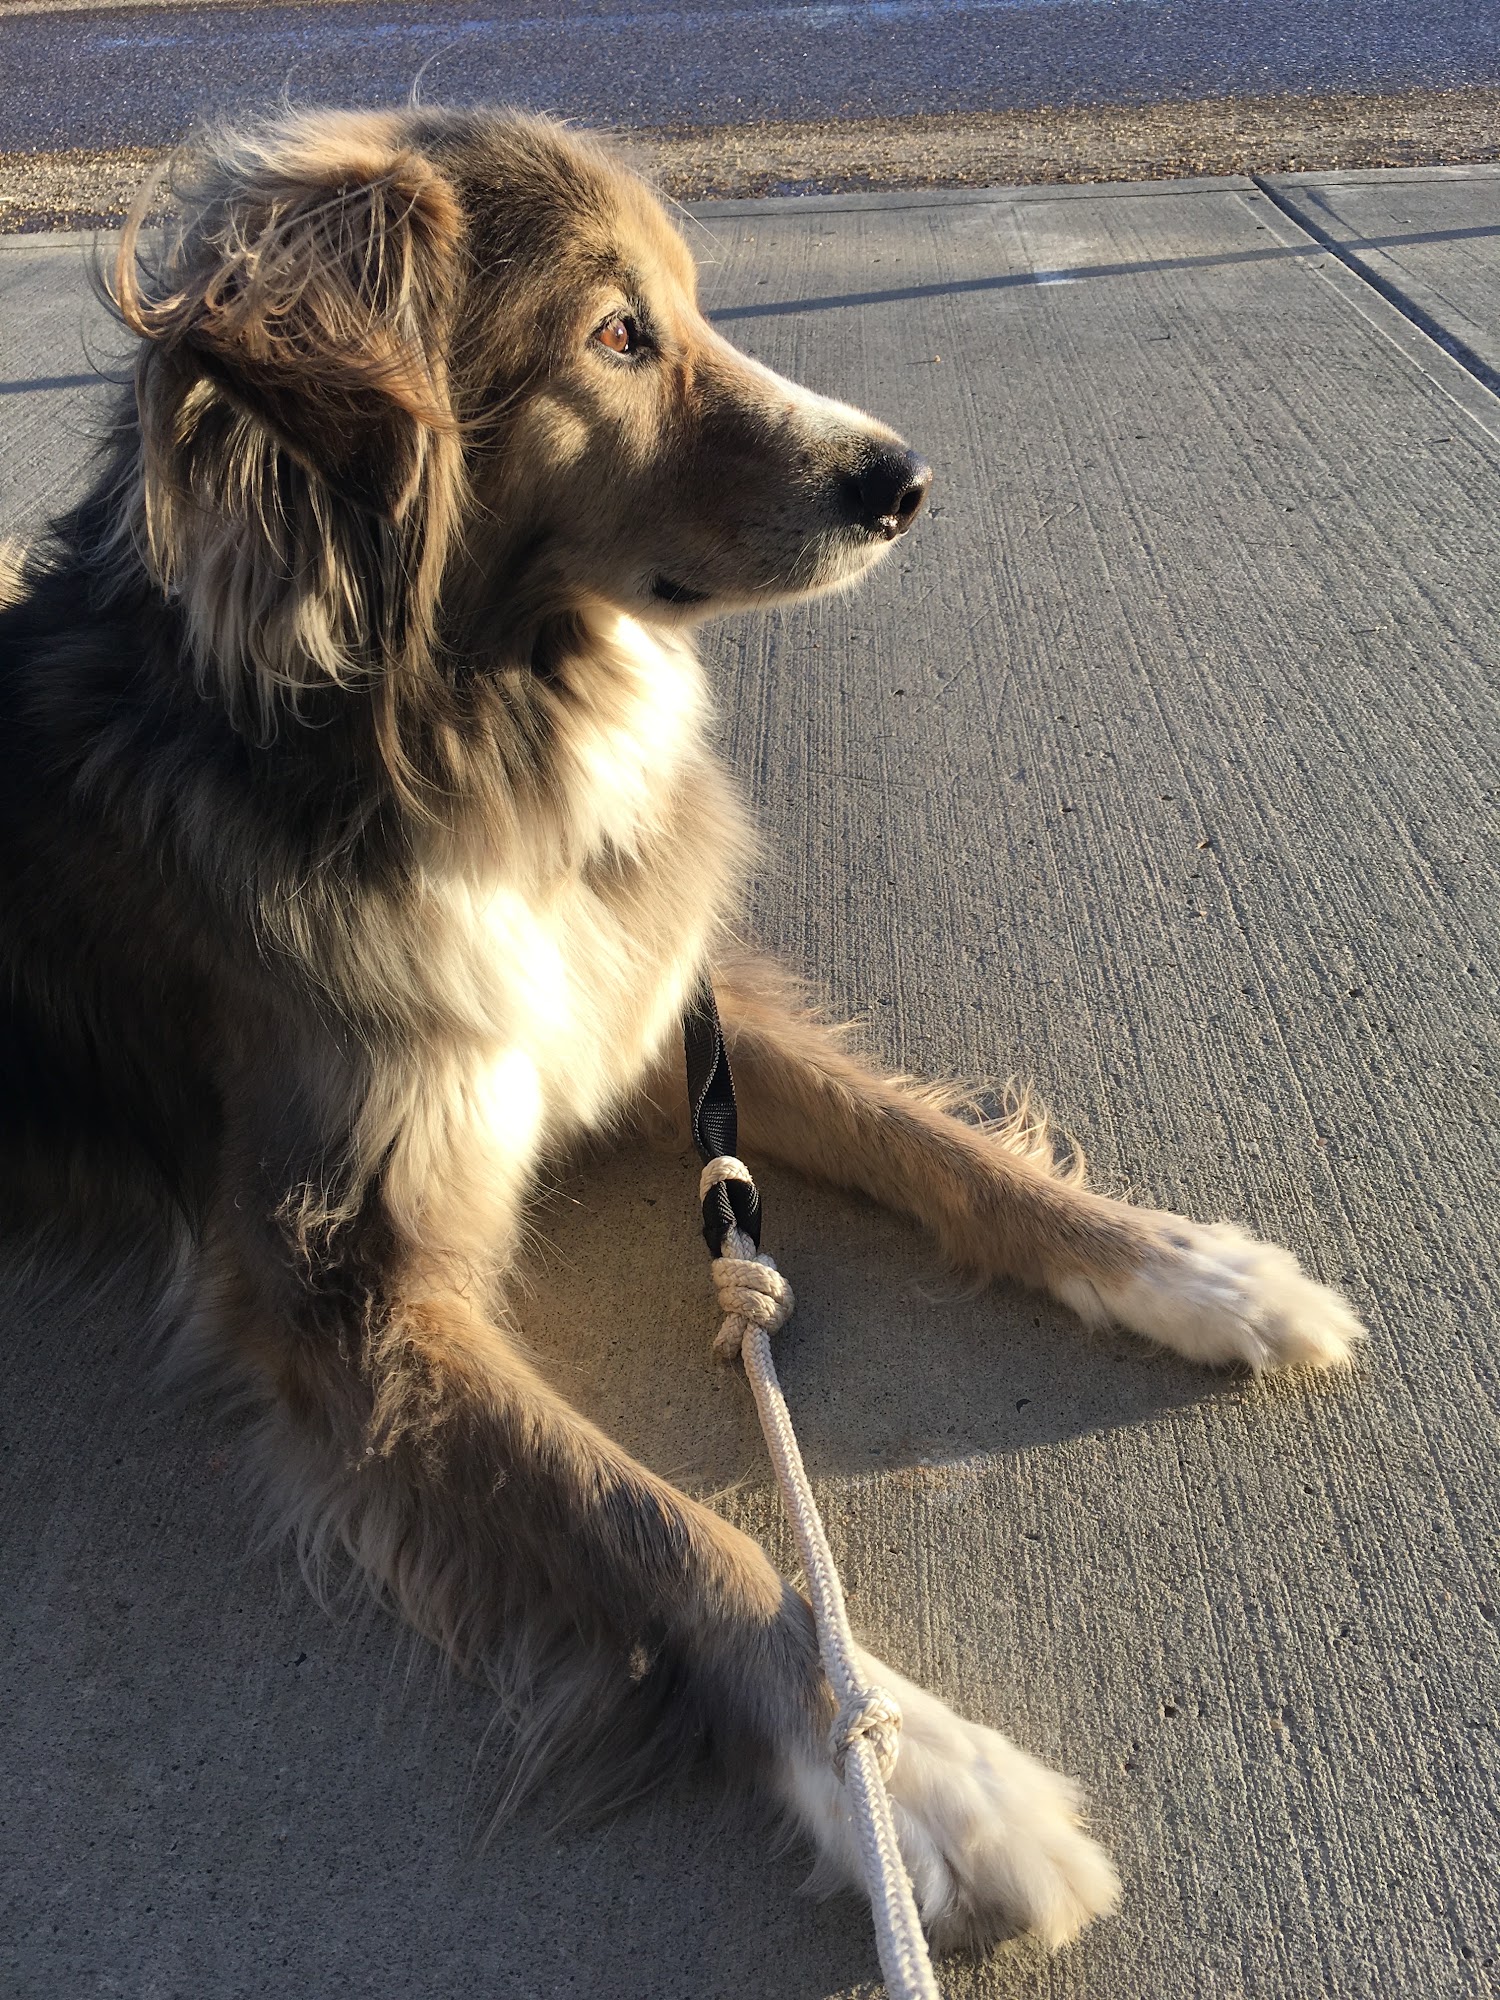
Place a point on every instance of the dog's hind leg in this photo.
(998, 1205)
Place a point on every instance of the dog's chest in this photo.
(578, 994)
(570, 979)
(632, 715)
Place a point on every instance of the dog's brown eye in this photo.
(619, 334)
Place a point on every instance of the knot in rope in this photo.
(752, 1292)
(873, 1714)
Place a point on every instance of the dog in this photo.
(363, 847)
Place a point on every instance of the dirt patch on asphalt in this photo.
(1265, 135)
(72, 190)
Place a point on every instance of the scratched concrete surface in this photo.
(1160, 766)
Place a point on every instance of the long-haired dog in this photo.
(362, 845)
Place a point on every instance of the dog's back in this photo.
(106, 1108)
(12, 566)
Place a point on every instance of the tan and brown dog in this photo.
(362, 843)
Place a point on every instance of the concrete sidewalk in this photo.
(1161, 766)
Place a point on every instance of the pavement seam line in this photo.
(1457, 350)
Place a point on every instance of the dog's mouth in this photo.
(665, 591)
(828, 561)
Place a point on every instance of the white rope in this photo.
(756, 1300)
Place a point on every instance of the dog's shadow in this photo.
(189, 1736)
(889, 1364)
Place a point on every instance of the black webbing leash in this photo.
(715, 1122)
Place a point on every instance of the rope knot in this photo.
(875, 1715)
(752, 1292)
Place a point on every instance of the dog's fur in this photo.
(361, 844)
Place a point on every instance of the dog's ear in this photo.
(300, 478)
(312, 283)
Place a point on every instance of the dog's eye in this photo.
(619, 334)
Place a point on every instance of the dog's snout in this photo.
(888, 493)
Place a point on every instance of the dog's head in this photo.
(650, 461)
(420, 379)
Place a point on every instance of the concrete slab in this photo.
(1160, 767)
(1430, 238)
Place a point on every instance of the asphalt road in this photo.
(136, 76)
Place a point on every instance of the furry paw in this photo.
(992, 1838)
(1215, 1294)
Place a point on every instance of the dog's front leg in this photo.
(997, 1203)
(625, 1625)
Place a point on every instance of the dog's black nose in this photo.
(889, 492)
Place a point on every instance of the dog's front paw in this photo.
(992, 1839)
(1213, 1293)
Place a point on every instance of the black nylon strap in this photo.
(715, 1123)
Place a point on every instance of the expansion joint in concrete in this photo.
(1473, 364)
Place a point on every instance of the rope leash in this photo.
(756, 1300)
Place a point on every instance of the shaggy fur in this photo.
(362, 842)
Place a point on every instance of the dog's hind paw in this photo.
(1215, 1294)
(992, 1839)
